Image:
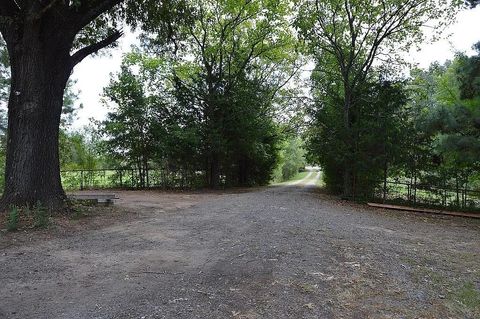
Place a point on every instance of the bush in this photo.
(41, 219)
(13, 219)
(292, 160)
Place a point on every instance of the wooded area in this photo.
(214, 96)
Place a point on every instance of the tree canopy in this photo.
(349, 38)
(215, 96)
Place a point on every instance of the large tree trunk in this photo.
(212, 138)
(39, 37)
(214, 172)
(242, 171)
(40, 70)
(348, 163)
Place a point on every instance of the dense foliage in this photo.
(346, 39)
(424, 130)
(45, 41)
(451, 104)
(207, 105)
(378, 135)
(291, 158)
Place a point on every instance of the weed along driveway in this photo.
(280, 252)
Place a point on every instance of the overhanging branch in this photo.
(81, 54)
(90, 10)
(43, 10)
(8, 8)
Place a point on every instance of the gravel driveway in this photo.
(279, 252)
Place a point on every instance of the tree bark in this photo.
(348, 165)
(40, 68)
(214, 172)
(242, 171)
(39, 38)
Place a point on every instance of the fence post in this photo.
(81, 180)
(384, 190)
(415, 191)
(457, 190)
(409, 192)
(148, 177)
(444, 194)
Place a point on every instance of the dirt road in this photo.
(279, 252)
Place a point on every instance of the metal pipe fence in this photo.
(426, 195)
(128, 178)
(395, 192)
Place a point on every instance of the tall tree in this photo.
(453, 117)
(4, 87)
(4, 76)
(45, 40)
(347, 37)
(233, 44)
(40, 37)
(69, 112)
(135, 128)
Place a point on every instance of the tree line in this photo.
(423, 129)
(370, 123)
(208, 105)
(207, 91)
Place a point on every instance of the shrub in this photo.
(13, 219)
(41, 219)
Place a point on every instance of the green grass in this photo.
(320, 183)
(41, 217)
(13, 219)
(462, 298)
(297, 177)
(467, 299)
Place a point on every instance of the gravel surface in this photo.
(280, 252)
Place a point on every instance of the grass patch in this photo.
(464, 301)
(467, 299)
(297, 177)
(13, 219)
(320, 183)
(78, 214)
(307, 288)
(80, 209)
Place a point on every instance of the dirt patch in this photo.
(278, 252)
(131, 205)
